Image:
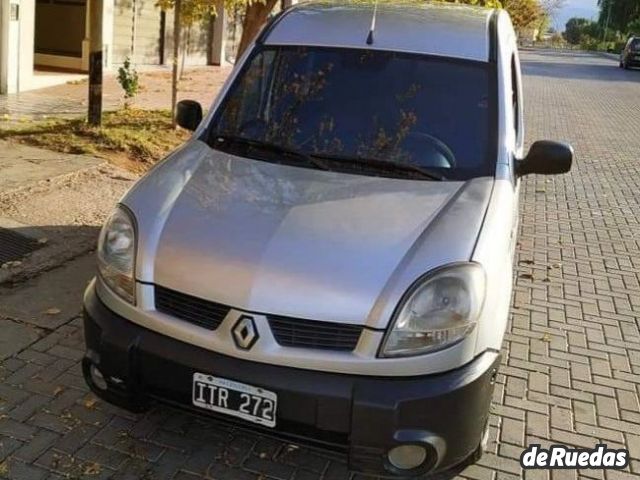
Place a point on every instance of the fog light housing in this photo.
(97, 378)
(407, 457)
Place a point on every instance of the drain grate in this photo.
(14, 246)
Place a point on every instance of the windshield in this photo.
(635, 44)
(337, 104)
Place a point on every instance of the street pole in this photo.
(176, 53)
(95, 62)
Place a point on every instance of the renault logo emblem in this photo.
(245, 333)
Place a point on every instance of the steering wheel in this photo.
(252, 125)
(435, 154)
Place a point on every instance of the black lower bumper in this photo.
(361, 416)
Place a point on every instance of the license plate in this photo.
(234, 398)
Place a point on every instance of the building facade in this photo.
(53, 35)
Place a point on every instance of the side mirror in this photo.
(188, 114)
(546, 158)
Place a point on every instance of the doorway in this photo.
(60, 27)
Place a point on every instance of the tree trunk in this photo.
(176, 55)
(95, 63)
(185, 52)
(255, 17)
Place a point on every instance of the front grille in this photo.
(294, 332)
(288, 332)
(203, 313)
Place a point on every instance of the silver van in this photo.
(329, 259)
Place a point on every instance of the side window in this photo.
(516, 99)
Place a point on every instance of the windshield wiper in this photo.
(316, 159)
(379, 163)
(270, 147)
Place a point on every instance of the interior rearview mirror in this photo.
(546, 157)
(189, 114)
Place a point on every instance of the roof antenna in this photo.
(373, 24)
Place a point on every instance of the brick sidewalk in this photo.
(198, 83)
(571, 367)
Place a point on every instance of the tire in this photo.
(621, 65)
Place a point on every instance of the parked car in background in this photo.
(630, 55)
(329, 259)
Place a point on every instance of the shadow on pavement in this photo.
(56, 245)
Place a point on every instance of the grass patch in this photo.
(132, 138)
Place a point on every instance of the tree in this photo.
(575, 29)
(255, 17)
(94, 116)
(177, 30)
(633, 27)
(621, 16)
(551, 7)
(617, 14)
(524, 13)
(186, 13)
(189, 12)
(549, 10)
(556, 39)
(479, 3)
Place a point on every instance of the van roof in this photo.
(444, 29)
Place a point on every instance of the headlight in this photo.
(116, 254)
(438, 311)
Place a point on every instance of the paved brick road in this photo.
(571, 371)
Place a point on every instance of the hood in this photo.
(291, 241)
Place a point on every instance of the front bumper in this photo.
(359, 415)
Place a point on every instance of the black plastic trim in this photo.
(253, 312)
(189, 308)
(319, 335)
(493, 36)
(359, 415)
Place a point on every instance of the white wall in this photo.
(17, 48)
(16, 45)
(108, 11)
(27, 26)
